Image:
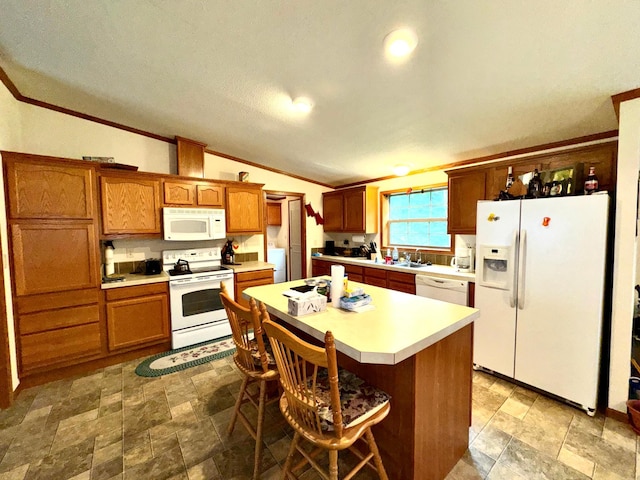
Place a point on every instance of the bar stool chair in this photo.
(256, 363)
(329, 407)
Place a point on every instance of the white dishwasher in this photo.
(447, 290)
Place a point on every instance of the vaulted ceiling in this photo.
(487, 76)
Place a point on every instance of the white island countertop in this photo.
(398, 326)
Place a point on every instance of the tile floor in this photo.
(112, 424)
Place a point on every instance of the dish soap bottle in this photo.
(395, 254)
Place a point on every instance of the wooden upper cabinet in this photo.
(69, 261)
(244, 209)
(465, 189)
(274, 213)
(130, 205)
(193, 194)
(210, 195)
(332, 207)
(179, 193)
(351, 210)
(49, 190)
(190, 157)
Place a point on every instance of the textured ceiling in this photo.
(487, 76)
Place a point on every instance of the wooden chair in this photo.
(320, 409)
(253, 360)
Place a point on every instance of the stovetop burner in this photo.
(175, 273)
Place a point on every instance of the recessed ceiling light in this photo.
(400, 43)
(401, 170)
(302, 104)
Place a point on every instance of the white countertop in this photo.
(443, 271)
(399, 325)
(133, 279)
(250, 266)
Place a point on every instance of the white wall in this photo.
(625, 257)
(224, 169)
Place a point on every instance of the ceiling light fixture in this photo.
(400, 43)
(302, 105)
(401, 170)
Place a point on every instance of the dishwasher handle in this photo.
(444, 283)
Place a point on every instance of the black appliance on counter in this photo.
(152, 266)
(329, 247)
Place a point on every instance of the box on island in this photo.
(304, 306)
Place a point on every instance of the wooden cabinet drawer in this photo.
(254, 275)
(59, 318)
(375, 272)
(354, 272)
(49, 301)
(403, 282)
(376, 281)
(58, 346)
(245, 280)
(119, 293)
(320, 267)
(402, 287)
(401, 277)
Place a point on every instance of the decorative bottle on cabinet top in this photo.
(535, 186)
(509, 181)
(591, 182)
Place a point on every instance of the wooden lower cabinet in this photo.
(137, 315)
(375, 276)
(57, 329)
(244, 280)
(320, 267)
(403, 282)
(354, 272)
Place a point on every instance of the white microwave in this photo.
(182, 224)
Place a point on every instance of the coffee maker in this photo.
(464, 259)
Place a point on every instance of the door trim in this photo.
(6, 383)
(303, 225)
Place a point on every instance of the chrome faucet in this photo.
(418, 258)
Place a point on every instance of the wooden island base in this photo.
(427, 430)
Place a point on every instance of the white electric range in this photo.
(197, 313)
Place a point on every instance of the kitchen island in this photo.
(419, 351)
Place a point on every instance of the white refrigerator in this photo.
(278, 257)
(540, 275)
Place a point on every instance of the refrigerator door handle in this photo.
(521, 263)
(512, 296)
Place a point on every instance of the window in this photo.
(418, 218)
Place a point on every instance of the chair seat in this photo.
(255, 354)
(358, 399)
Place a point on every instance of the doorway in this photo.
(287, 230)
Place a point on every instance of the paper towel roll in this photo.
(337, 284)
(357, 238)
